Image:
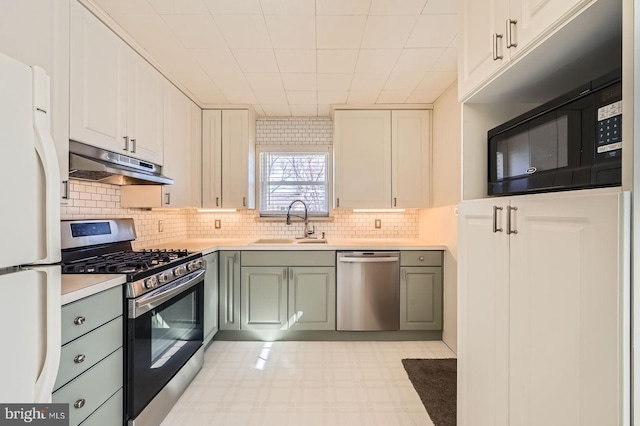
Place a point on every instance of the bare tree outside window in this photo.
(289, 176)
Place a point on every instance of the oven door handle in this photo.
(146, 303)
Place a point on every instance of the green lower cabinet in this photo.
(229, 286)
(210, 297)
(312, 298)
(421, 298)
(264, 298)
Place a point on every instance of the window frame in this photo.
(323, 149)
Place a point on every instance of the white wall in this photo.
(439, 223)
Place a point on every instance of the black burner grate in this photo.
(123, 262)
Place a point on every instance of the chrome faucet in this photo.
(307, 233)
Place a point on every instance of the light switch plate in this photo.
(160, 226)
(378, 223)
(217, 224)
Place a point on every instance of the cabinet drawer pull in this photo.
(79, 359)
(495, 219)
(79, 403)
(79, 320)
(421, 258)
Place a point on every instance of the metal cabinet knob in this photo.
(79, 403)
(421, 258)
(79, 320)
(79, 359)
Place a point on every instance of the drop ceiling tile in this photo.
(292, 32)
(244, 31)
(393, 96)
(337, 60)
(397, 7)
(234, 7)
(417, 59)
(334, 81)
(299, 81)
(424, 96)
(259, 110)
(181, 7)
(377, 60)
(438, 7)
(296, 60)
(271, 96)
(118, 8)
(276, 110)
(363, 97)
(150, 31)
(240, 96)
(433, 31)
(288, 7)
(368, 82)
(324, 110)
(339, 32)
(195, 31)
(230, 81)
(264, 81)
(256, 60)
(207, 94)
(342, 7)
(387, 32)
(302, 97)
(404, 80)
(332, 97)
(215, 61)
(196, 81)
(448, 61)
(304, 110)
(438, 80)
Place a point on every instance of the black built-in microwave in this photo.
(571, 142)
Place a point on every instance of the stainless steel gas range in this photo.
(164, 308)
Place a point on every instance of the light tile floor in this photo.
(305, 384)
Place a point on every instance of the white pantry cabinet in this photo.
(115, 95)
(493, 32)
(228, 159)
(382, 158)
(541, 280)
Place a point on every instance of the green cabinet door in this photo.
(421, 298)
(229, 274)
(312, 298)
(211, 297)
(264, 298)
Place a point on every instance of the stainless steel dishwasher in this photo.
(368, 291)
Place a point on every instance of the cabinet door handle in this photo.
(235, 257)
(495, 46)
(395, 202)
(217, 201)
(67, 189)
(495, 219)
(79, 403)
(79, 320)
(284, 274)
(404, 274)
(133, 145)
(126, 143)
(79, 359)
(509, 229)
(168, 195)
(337, 202)
(244, 201)
(510, 24)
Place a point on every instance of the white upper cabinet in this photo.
(493, 32)
(228, 159)
(115, 96)
(381, 159)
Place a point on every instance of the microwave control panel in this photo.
(609, 130)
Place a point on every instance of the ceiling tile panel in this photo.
(240, 96)
(264, 81)
(304, 110)
(368, 82)
(119, 8)
(276, 110)
(404, 80)
(292, 32)
(334, 81)
(339, 32)
(230, 81)
(424, 96)
(216, 61)
(256, 60)
(302, 97)
(150, 31)
(417, 59)
(342, 7)
(437, 7)
(296, 60)
(332, 97)
(234, 7)
(377, 60)
(393, 96)
(397, 7)
(271, 96)
(244, 31)
(299, 81)
(337, 60)
(196, 31)
(362, 97)
(258, 109)
(181, 7)
(324, 110)
(448, 61)
(387, 32)
(438, 80)
(288, 7)
(433, 31)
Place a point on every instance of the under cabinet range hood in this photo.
(99, 165)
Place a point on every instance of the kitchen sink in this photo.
(273, 241)
(311, 241)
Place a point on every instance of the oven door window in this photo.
(160, 342)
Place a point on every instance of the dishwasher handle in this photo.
(367, 259)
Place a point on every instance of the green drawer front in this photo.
(95, 386)
(288, 258)
(92, 347)
(421, 258)
(96, 310)
(111, 413)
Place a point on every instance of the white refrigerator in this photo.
(29, 237)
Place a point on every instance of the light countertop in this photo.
(78, 286)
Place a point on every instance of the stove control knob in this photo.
(194, 265)
(151, 282)
(180, 271)
(165, 277)
(199, 263)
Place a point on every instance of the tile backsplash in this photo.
(294, 131)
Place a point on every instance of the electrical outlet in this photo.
(378, 223)
(217, 224)
(160, 226)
